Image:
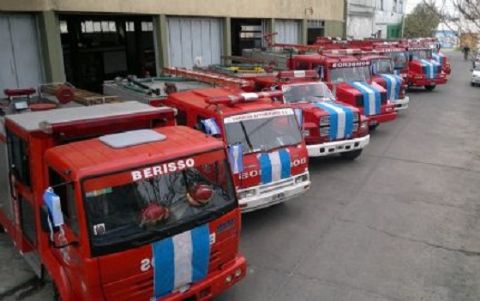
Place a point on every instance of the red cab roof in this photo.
(198, 100)
(93, 157)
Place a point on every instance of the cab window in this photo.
(66, 192)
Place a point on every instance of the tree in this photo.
(422, 21)
(462, 15)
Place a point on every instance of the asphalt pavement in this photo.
(402, 222)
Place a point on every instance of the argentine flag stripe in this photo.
(274, 166)
(371, 98)
(201, 252)
(265, 168)
(180, 260)
(285, 161)
(429, 67)
(211, 126)
(341, 119)
(333, 118)
(393, 85)
(164, 268)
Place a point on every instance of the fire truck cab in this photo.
(423, 70)
(328, 126)
(268, 155)
(114, 202)
(384, 74)
(350, 79)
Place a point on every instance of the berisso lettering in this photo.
(161, 169)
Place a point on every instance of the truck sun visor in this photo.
(132, 138)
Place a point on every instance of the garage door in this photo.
(191, 39)
(287, 31)
(20, 52)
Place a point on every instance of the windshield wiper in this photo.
(247, 139)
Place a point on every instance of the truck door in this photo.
(67, 250)
(22, 196)
(5, 200)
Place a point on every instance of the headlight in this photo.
(300, 179)
(305, 133)
(364, 126)
(246, 194)
(324, 131)
(324, 120)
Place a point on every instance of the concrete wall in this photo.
(392, 14)
(334, 29)
(282, 9)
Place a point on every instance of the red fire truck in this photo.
(423, 70)
(268, 155)
(329, 127)
(114, 202)
(350, 79)
(384, 74)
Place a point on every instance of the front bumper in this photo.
(427, 82)
(214, 284)
(401, 104)
(383, 117)
(336, 147)
(267, 195)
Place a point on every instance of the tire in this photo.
(351, 155)
(373, 127)
(2, 229)
(430, 87)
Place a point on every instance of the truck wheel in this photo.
(56, 294)
(372, 127)
(351, 155)
(2, 229)
(430, 87)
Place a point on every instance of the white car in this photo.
(475, 76)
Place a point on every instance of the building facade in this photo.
(375, 18)
(86, 42)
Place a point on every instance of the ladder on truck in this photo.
(209, 78)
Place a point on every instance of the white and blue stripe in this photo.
(430, 68)
(274, 166)
(372, 100)
(438, 57)
(235, 157)
(394, 83)
(211, 126)
(180, 260)
(341, 119)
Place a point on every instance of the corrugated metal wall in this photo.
(20, 56)
(288, 31)
(192, 38)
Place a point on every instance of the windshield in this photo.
(307, 92)
(263, 131)
(135, 207)
(399, 59)
(360, 74)
(421, 54)
(382, 66)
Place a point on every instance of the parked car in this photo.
(475, 81)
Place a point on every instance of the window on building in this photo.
(63, 26)
(129, 26)
(66, 192)
(381, 4)
(147, 26)
(400, 7)
(18, 158)
(395, 4)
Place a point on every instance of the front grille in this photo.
(281, 184)
(383, 97)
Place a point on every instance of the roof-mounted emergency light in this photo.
(242, 97)
(350, 51)
(306, 74)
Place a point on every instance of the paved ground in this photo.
(400, 223)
